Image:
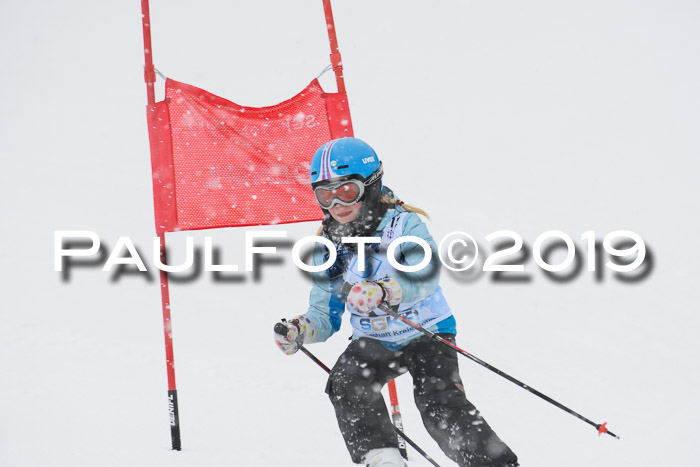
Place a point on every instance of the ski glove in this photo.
(300, 330)
(365, 296)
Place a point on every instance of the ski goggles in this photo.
(346, 191)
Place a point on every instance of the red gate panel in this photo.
(219, 164)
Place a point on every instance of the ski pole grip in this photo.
(281, 329)
(347, 286)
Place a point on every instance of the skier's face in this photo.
(344, 214)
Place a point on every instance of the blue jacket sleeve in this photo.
(419, 284)
(326, 302)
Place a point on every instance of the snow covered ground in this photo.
(526, 116)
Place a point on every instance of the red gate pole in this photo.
(150, 78)
(396, 416)
(336, 61)
(149, 69)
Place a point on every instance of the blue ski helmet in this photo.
(349, 161)
(345, 158)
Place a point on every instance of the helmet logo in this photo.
(375, 176)
(367, 160)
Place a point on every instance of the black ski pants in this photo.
(355, 384)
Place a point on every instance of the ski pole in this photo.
(281, 329)
(601, 427)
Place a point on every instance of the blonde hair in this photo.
(406, 207)
(385, 200)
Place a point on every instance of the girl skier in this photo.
(346, 177)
